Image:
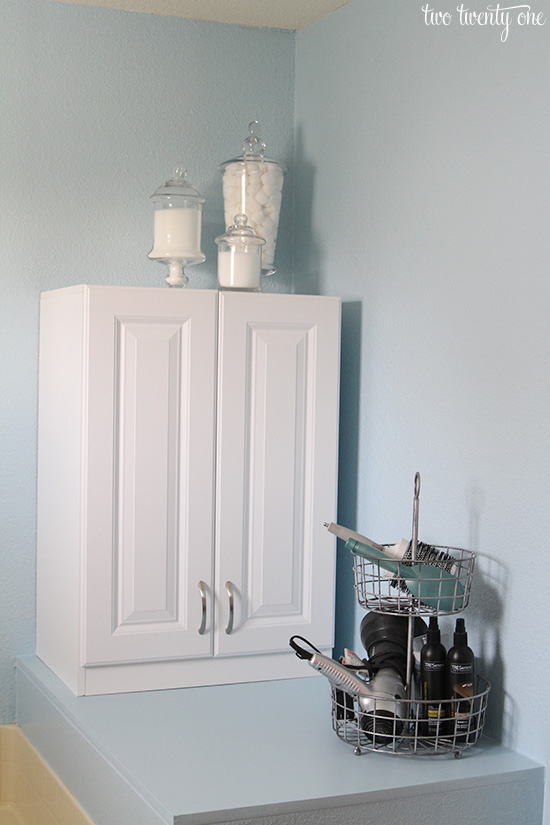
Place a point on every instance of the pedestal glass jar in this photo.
(252, 185)
(240, 257)
(177, 226)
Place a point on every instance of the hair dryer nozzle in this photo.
(381, 727)
(383, 711)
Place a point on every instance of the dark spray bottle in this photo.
(461, 680)
(433, 682)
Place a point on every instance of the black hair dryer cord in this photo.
(300, 651)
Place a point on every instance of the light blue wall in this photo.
(422, 186)
(96, 107)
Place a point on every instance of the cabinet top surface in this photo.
(78, 288)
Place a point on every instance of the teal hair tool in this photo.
(433, 586)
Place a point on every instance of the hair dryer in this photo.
(382, 711)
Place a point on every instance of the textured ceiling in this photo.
(280, 14)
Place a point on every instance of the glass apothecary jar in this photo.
(240, 256)
(252, 186)
(177, 226)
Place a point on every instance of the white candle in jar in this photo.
(177, 233)
(239, 268)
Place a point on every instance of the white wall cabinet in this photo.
(187, 462)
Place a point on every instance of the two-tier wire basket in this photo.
(435, 581)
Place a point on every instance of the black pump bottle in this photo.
(461, 680)
(433, 682)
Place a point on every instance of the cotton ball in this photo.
(255, 215)
(233, 168)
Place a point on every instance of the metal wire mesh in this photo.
(442, 588)
(412, 726)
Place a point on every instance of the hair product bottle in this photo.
(433, 682)
(461, 679)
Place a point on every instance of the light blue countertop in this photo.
(264, 746)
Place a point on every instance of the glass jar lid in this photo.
(253, 148)
(177, 187)
(240, 233)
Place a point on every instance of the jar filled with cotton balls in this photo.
(240, 257)
(252, 186)
(177, 226)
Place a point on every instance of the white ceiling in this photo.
(279, 14)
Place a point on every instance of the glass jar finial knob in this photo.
(179, 173)
(241, 221)
(253, 143)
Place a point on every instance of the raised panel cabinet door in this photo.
(278, 399)
(149, 475)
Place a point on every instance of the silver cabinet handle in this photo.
(229, 588)
(202, 591)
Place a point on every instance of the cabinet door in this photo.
(278, 399)
(149, 474)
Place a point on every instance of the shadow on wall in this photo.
(308, 253)
(489, 595)
(488, 598)
(348, 469)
